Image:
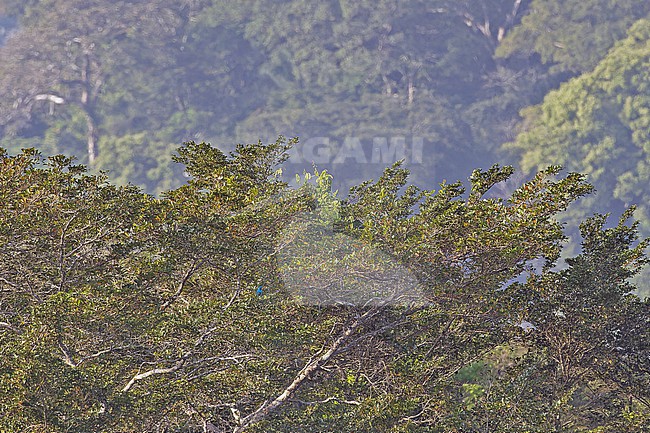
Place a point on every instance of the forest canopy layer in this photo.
(239, 303)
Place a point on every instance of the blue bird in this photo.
(259, 291)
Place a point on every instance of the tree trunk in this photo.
(91, 128)
(91, 137)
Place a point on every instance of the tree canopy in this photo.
(573, 36)
(238, 303)
(598, 124)
(214, 292)
(120, 93)
(447, 78)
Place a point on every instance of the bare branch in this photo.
(188, 274)
(205, 335)
(11, 327)
(515, 11)
(327, 400)
(177, 366)
(183, 362)
(305, 374)
(51, 98)
(100, 353)
(237, 292)
(69, 359)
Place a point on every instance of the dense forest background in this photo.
(447, 85)
(232, 287)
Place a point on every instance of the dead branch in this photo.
(304, 375)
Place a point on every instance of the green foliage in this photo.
(391, 308)
(580, 351)
(170, 72)
(117, 93)
(572, 35)
(597, 124)
(123, 312)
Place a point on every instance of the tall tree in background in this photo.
(572, 36)
(598, 123)
(61, 58)
(355, 69)
(123, 83)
